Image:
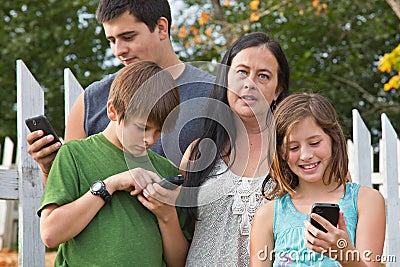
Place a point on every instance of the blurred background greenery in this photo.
(333, 48)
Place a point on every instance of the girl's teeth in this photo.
(310, 166)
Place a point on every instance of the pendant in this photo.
(238, 206)
(244, 188)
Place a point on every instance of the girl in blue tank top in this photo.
(310, 166)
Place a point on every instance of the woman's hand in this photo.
(159, 200)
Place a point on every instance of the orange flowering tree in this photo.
(332, 46)
(390, 62)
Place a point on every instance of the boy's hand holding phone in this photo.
(160, 201)
(171, 183)
(43, 142)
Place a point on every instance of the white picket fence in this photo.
(7, 207)
(25, 183)
(388, 178)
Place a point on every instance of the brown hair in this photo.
(291, 111)
(143, 89)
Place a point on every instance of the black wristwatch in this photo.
(98, 188)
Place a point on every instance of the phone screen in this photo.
(328, 211)
(41, 123)
(172, 182)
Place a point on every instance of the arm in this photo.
(371, 226)
(262, 236)
(161, 202)
(370, 233)
(61, 223)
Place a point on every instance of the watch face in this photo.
(96, 186)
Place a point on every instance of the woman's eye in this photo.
(263, 76)
(315, 143)
(293, 148)
(242, 72)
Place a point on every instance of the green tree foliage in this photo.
(48, 35)
(333, 47)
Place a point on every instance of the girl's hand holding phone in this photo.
(333, 243)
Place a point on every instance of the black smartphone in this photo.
(42, 123)
(327, 210)
(172, 182)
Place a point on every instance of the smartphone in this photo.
(172, 182)
(327, 210)
(42, 123)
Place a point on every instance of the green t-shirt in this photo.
(123, 232)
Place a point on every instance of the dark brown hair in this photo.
(146, 11)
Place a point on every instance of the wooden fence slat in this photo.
(72, 90)
(362, 151)
(8, 235)
(389, 170)
(31, 249)
(350, 154)
(7, 153)
(9, 184)
(8, 190)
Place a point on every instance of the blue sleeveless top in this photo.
(290, 249)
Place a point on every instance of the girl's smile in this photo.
(310, 150)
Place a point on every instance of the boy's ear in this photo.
(162, 28)
(111, 112)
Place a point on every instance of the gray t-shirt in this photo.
(194, 87)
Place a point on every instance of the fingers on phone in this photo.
(38, 149)
(34, 136)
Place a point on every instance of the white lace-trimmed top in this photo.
(227, 206)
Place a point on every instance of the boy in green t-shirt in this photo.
(100, 201)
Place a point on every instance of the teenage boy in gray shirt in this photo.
(137, 30)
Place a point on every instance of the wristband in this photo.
(44, 173)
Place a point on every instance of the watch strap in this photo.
(102, 192)
(106, 196)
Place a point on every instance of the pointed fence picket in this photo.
(72, 90)
(25, 184)
(387, 179)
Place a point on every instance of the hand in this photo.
(160, 201)
(44, 156)
(133, 181)
(331, 243)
